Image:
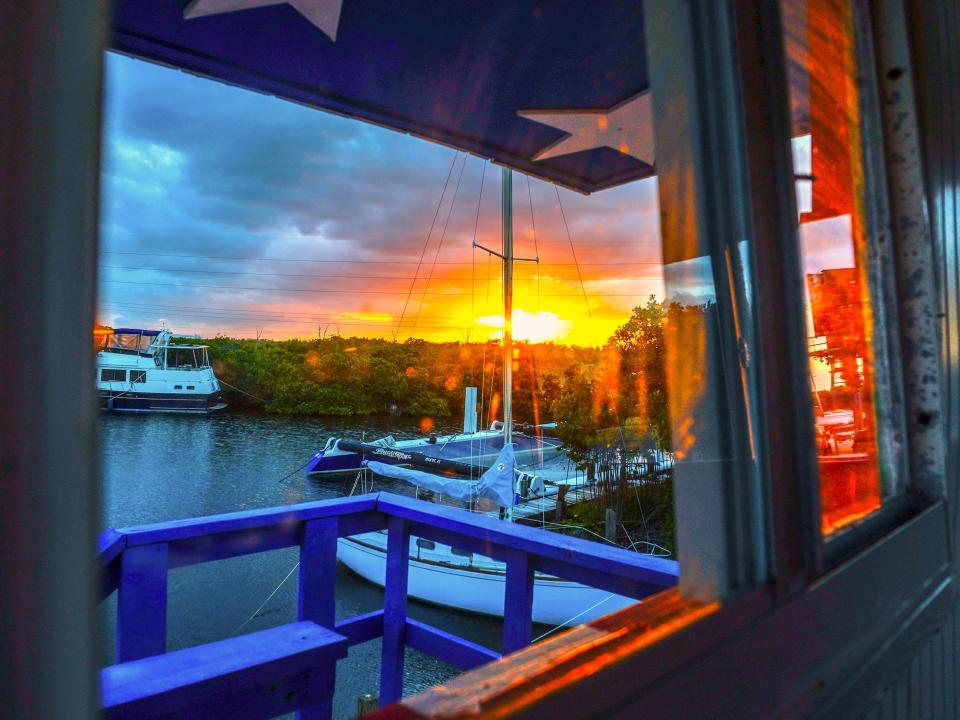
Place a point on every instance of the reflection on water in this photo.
(166, 467)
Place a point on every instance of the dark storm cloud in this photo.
(235, 169)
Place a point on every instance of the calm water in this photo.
(165, 467)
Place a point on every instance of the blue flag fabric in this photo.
(451, 487)
(497, 483)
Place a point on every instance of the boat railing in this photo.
(135, 562)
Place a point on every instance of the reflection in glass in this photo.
(833, 243)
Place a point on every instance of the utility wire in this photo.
(353, 262)
(338, 291)
(345, 276)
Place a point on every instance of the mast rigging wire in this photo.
(573, 252)
(426, 242)
(536, 245)
(436, 255)
(473, 253)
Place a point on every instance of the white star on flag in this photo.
(627, 128)
(325, 14)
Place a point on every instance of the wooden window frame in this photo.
(863, 585)
(905, 299)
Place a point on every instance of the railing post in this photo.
(318, 571)
(394, 611)
(142, 602)
(517, 602)
(317, 601)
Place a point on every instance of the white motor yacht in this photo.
(143, 371)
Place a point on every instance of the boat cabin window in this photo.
(113, 375)
(138, 376)
(126, 341)
(426, 544)
(461, 552)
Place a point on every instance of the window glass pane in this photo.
(381, 311)
(834, 233)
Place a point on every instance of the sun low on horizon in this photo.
(287, 222)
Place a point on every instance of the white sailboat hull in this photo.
(476, 584)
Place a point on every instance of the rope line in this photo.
(565, 623)
(246, 622)
(259, 399)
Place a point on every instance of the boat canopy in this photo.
(135, 331)
(496, 484)
(557, 90)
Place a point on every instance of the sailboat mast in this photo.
(506, 208)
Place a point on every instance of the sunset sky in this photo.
(229, 212)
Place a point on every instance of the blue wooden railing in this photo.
(135, 562)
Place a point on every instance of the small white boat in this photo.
(455, 578)
(142, 371)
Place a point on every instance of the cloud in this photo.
(226, 210)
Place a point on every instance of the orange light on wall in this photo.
(825, 102)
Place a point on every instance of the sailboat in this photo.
(453, 577)
(532, 445)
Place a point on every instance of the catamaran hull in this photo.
(481, 590)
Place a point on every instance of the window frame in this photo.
(810, 587)
(880, 36)
(722, 530)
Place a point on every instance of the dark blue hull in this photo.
(160, 402)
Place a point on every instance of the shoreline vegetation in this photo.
(609, 402)
(596, 395)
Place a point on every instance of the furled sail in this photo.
(496, 483)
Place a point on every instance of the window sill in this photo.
(615, 661)
(526, 678)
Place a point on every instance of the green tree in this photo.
(643, 370)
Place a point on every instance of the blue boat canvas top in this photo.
(557, 90)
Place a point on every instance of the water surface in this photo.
(167, 467)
